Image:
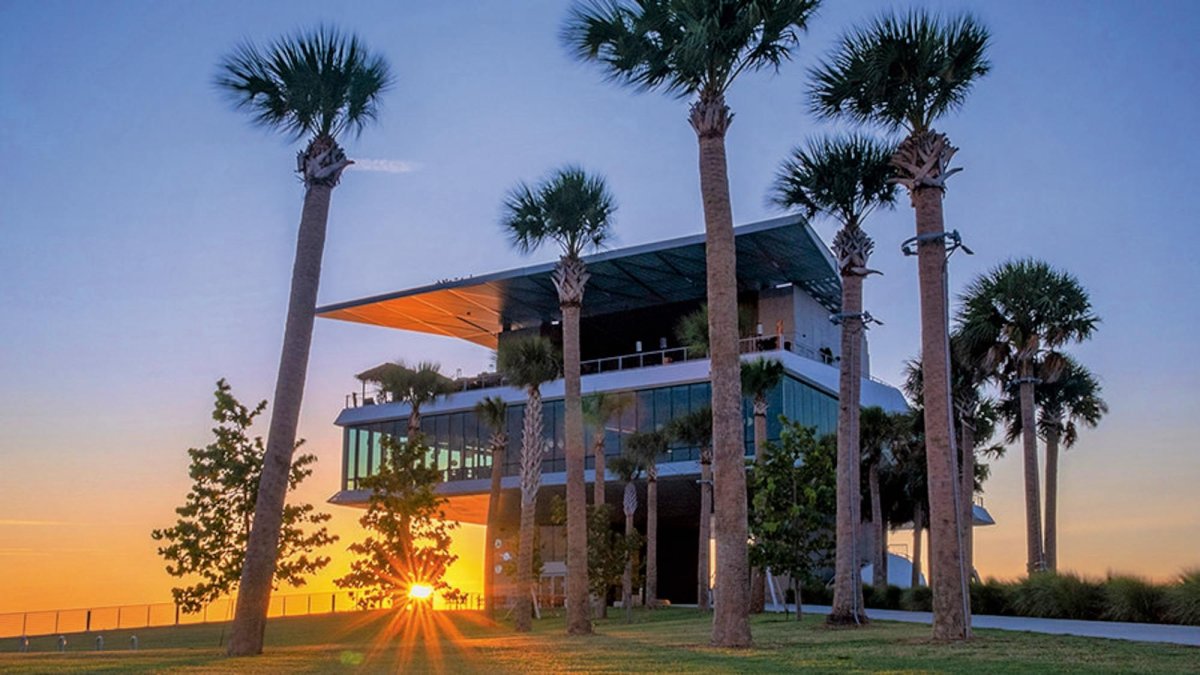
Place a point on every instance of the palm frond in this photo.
(842, 177)
(493, 412)
(528, 362)
(571, 207)
(760, 376)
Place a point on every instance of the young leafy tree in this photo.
(574, 210)
(607, 552)
(906, 72)
(1012, 322)
(414, 386)
(316, 85)
(493, 412)
(759, 378)
(408, 540)
(599, 410)
(209, 539)
(528, 363)
(791, 515)
(645, 447)
(628, 468)
(695, 429)
(690, 48)
(844, 178)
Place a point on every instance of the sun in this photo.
(420, 591)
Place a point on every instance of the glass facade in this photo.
(458, 441)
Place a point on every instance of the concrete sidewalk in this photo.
(1113, 630)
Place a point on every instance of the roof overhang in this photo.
(770, 253)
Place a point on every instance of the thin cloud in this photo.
(5, 522)
(384, 165)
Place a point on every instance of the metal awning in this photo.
(769, 254)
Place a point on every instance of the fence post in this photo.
(148, 616)
(56, 621)
(308, 610)
(333, 604)
(24, 622)
(176, 614)
(284, 613)
(205, 614)
(88, 624)
(118, 617)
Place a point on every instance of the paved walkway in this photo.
(1113, 630)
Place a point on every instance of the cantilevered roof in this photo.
(769, 253)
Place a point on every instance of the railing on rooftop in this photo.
(635, 360)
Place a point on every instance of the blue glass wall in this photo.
(458, 442)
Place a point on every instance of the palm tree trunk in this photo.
(598, 481)
(630, 507)
(262, 548)
(950, 602)
(652, 541)
(878, 564)
(710, 118)
(758, 580)
(493, 521)
(579, 621)
(918, 525)
(967, 520)
(1033, 516)
(1051, 550)
(702, 572)
(532, 448)
(847, 586)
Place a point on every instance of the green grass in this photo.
(669, 640)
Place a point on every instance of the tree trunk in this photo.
(598, 457)
(1033, 515)
(1051, 550)
(883, 531)
(630, 506)
(918, 525)
(878, 564)
(758, 580)
(702, 572)
(652, 541)
(710, 118)
(532, 449)
(493, 522)
(946, 571)
(967, 491)
(847, 583)
(262, 547)
(578, 608)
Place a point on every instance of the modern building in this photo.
(787, 281)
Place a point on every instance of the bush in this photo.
(919, 599)
(1129, 598)
(1183, 599)
(1058, 596)
(816, 594)
(992, 597)
(887, 597)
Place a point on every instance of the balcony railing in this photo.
(636, 360)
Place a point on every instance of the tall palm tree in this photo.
(528, 363)
(697, 49)
(493, 412)
(599, 410)
(1012, 321)
(1073, 398)
(415, 386)
(695, 429)
(645, 447)
(906, 72)
(627, 468)
(844, 178)
(315, 85)
(575, 211)
(876, 428)
(759, 377)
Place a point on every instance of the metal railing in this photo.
(156, 615)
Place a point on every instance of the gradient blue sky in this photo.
(147, 232)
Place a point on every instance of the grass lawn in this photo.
(669, 640)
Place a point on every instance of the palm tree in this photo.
(645, 447)
(493, 412)
(697, 49)
(759, 378)
(906, 73)
(845, 178)
(876, 428)
(1012, 321)
(627, 469)
(316, 85)
(574, 210)
(600, 409)
(1072, 398)
(528, 363)
(412, 385)
(695, 429)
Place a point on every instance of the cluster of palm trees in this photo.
(899, 73)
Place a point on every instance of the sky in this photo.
(147, 233)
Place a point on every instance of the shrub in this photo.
(919, 599)
(887, 597)
(1129, 598)
(992, 597)
(1183, 599)
(1058, 596)
(816, 594)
